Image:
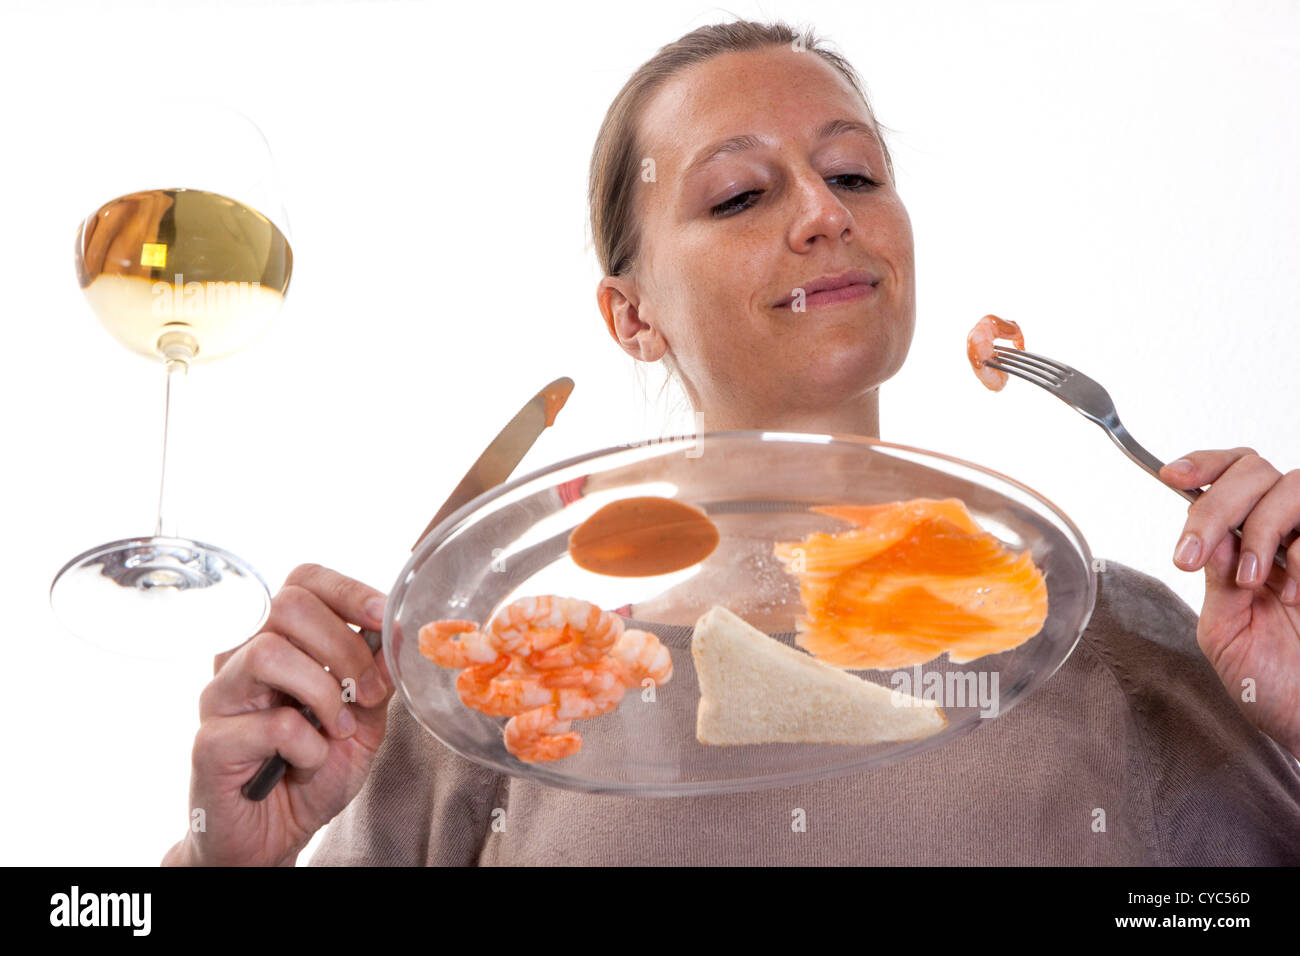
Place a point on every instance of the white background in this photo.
(1119, 178)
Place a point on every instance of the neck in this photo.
(861, 416)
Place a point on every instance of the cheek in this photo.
(899, 232)
(717, 283)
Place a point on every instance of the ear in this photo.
(620, 304)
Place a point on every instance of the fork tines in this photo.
(1038, 369)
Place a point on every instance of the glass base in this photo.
(160, 598)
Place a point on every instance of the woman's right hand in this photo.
(245, 716)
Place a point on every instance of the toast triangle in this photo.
(756, 690)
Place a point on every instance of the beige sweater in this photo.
(1135, 723)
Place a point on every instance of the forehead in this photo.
(771, 92)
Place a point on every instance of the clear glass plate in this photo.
(757, 487)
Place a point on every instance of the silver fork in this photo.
(1090, 400)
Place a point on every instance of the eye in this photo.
(730, 207)
(866, 183)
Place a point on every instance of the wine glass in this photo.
(186, 261)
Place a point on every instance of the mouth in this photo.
(831, 289)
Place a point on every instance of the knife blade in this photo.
(505, 452)
(493, 467)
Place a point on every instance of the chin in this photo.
(841, 370)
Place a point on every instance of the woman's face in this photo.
(727, 237)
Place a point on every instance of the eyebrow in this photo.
(747, 141)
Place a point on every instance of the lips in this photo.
(830, 283)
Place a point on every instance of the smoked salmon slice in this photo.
(911, 580)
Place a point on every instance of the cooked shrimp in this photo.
(581, 704)
(530, 624)
(518, 667)
(590, 634)
(545, 638)
(439, 643)
(543, 662)
(641, 655)
(483, 688)
(979, 348)
(539, 735)
(587, 691)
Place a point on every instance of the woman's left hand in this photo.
(1249, 628)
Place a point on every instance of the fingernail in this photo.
(1189, 549)
(371, 686)
(347, 723)
(1246, 568)
(375, 608)
(1182, 464)
(1288, 592)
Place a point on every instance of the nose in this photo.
(819, 213)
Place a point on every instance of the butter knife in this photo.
(494, 466)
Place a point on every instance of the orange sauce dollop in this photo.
(638, 537)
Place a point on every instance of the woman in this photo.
(1133, 753)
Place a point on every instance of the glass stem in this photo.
(178, 350)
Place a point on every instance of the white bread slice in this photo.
(756, 690)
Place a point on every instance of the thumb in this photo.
(1221, 569)
(1224, 600)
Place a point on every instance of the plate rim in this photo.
(546, 777)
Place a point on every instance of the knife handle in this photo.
(273, 768)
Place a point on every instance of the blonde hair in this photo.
(616, 158)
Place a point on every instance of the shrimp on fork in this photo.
(979, 348)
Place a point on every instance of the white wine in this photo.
(183, 260)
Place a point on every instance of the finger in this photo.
(271, 663)
(1224, 601)
(219, 660)
(223, 744)
(346, 597)
(309, 623)
(1228, 609)
(1198, 468)
(1225, 505)
(1270, 521)
(356, 603)
(381, 659)
(1290, 591)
